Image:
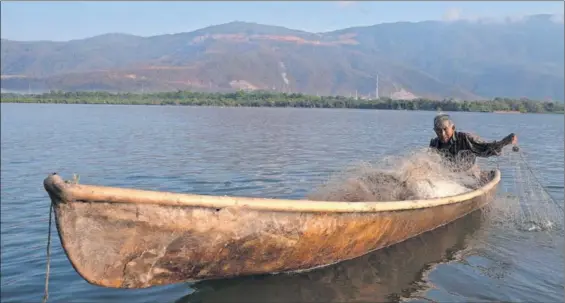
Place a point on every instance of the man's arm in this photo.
(486, 149)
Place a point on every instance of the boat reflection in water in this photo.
(381, 276)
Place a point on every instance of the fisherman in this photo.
(460, 149)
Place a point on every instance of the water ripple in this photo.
(284, 153)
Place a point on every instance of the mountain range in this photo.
(463, 59)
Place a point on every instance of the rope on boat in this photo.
(46, 294)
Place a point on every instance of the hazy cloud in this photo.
(345, 3)
(452, 14)
(558, 18)
(514, 19)
(455, 14)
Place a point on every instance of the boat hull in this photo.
(380, 276)
(138, 245)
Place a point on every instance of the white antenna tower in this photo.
(377, 88)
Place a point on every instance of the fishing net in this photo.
(416, 175)
(523, 201)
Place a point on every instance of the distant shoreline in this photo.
(247, 106)
(507, 112)
(271, 99)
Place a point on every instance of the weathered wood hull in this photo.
(379, 276)
(133, 239)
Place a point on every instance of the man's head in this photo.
(444, 127)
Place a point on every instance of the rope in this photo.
(538, 181)
(46, 294)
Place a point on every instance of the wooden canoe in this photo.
(128, 238)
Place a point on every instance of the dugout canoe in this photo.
(128, 238)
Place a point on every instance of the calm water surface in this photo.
(282, 153)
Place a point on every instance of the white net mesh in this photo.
(418, 175)
(522, 200)
(525, 204)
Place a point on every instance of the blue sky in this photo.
(26, 20)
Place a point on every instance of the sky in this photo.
(68, 20)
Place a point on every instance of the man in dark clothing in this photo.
(460, 149)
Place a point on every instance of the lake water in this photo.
(271, 153)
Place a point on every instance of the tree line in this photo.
(275, 99)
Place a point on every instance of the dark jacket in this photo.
(463, 148)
